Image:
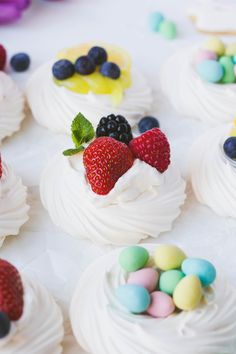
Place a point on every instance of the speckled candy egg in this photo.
(203, 269)
(162, 305)
(169, 257)
(134, 297)
(188, 293)
(146, 277)
(210, 71)
(133, 258)
(202, 55)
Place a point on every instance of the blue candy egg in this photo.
(155, 20)
(201, 268)
(210, 71)
(134, 297)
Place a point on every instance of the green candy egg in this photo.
(228, 67)
(133, 258)
(168, 29)
(169, 280)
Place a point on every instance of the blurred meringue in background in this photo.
(11, 10)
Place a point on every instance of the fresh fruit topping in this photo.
(105, 161)
(147, 123)
(63, 69)
(230, 147)
(11, 291)
(3, 57)
(98, 55)
(116, 127)
(81, 132)
(153, 148)
(5, 325)
(20, 62)
(84, 65)
(110, 70)
(0, 166)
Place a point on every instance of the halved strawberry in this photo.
(105, 161)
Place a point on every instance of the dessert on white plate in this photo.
(204, 86)
(11, 106)
(213, 16)
(122, 306)
(13, 202)
(212, 166)
(112, 188)
(90, 79)
(30, 319)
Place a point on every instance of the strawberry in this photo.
(3, 57)
(153, 148)
(105, 161)
(11, 291)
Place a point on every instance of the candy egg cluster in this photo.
(216, 62)
(158, 286)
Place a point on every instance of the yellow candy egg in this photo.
(230, 49)
(233, 130)
(169, 257)
(214, 44)
(188, 293)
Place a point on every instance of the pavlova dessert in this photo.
(114, 185)
(30, 320)
(204, 82)
(88, 78)
(213, 169)
(153, 300)
(13, 204)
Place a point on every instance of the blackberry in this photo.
(116, 127)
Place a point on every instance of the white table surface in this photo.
(44, 251)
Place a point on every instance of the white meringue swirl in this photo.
(54, 106)
(102, 326)
(40, 329)
(13, 206)
(142, 203)
(11, 106)
(193, 97)
(213, 176)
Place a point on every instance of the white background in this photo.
(42, 250)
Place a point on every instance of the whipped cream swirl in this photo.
(213, 175)
(142, 203)
(193, 97)
(55, 107)
(40, 329)
(11, 106)
(13, 206)
(102, 326)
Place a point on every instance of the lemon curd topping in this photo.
(96, 82)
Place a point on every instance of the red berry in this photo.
(105, 161)
(3, 57)
(153, 148)
(11, 291)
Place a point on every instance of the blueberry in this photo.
(5, 325)
(110, 70)
(230, 147)
(63, 69)
(147, 123)
(98, 55)
(20, 62)
(84, 65)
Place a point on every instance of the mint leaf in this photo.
(82, 130)
(71, 152)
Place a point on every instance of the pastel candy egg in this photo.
(146, 277)
(162, 305)
(155, 20)
(188, 293)
(234, 59)
(133, 258)
(210, 71)
(228, 65)
(214, 44)
(203, 269)
(169, 280)
(134, 297)
(230, 49)
(168, 29)
(169, 257)
(202, 55)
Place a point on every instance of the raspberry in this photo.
(3, 57)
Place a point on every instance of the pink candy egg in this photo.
(203, 54)
(162, 305)
(146, 277)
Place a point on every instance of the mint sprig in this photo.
(81, 132)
